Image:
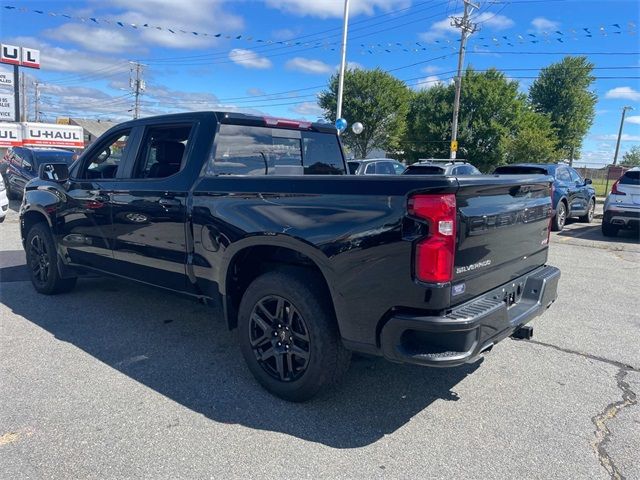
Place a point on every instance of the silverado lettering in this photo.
(308, 262)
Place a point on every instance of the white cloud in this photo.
(614, 136)
(430, 69)
(428, 82)
(633, 119)
(626, 93)
(310, 109)
(541, 24)
(72, 61)
(443, 28)
(202, 16)
(256, 92)
(335, 8)
(306, 65)
(92, 38)
(249, 59)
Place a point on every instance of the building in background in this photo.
(92, 128)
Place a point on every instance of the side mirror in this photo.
(588, 181)
(54, 172)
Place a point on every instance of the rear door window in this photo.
(248, 150)
(563, 175)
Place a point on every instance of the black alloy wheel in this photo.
(39, 260)
(279, 338)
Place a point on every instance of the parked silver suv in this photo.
(622, 207)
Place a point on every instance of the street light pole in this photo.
(624, 111)
(467, 28)
(344, 60)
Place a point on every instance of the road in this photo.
(117, 380)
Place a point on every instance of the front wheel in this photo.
(289, 335)
(591, 208)
(560, 218)
(42, 262)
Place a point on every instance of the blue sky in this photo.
(288, 49)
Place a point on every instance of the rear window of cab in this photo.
(255, 151)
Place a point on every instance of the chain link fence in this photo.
(603, 177)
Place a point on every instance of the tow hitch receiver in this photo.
(523, 333)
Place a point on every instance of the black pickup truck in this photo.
(308, 262)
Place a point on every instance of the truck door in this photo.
(84, 225)
(150, 211)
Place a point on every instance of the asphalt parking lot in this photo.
(117, 380)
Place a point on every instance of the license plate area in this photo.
(512, 294)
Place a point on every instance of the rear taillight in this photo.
(615, 189)
(435, 253)
(552, 192)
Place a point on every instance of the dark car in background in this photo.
(573, 196)
(436, 166)
(375, 166)
(20, 164)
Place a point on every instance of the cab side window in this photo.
(105, 163)
(162, 151)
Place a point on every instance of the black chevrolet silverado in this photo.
(308, 262)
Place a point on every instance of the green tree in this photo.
(376, 99)
(535, 140)
(632, 157)
(562, 92)
(490, 107)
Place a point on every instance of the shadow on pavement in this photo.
(593, 232)
(183, 350)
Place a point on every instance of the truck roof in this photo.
(242, 119)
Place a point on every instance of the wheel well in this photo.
(29, 219)
(251, 262)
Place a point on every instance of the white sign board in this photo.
(7, 106)
(14, 55)
(52, 135)
(6, 79)
(10, 134)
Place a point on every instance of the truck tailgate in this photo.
(503, 231)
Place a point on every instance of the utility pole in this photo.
(466, 28)
(36, 86)
(343, 61)
(137, 85)
(624, 111)
(16, 93)
(23, 86)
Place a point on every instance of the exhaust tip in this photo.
(523, 333)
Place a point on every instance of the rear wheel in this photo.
(591, 208)
(42, 262)
(289, 336)
(609, 230)
(560, 217)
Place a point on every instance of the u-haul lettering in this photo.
(52, 135)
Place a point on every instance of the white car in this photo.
(4, 201)
(622, 207)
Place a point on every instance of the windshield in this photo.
(52, 157)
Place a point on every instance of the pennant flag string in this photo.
(557, 36)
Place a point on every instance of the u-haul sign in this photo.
(14, 55)
(10, 134)
(52, 135)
